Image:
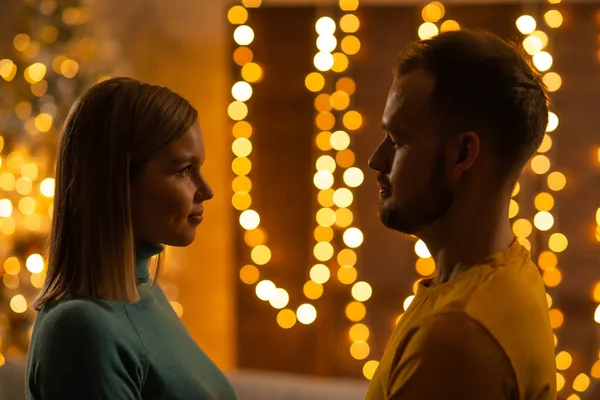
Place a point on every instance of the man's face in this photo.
(411, 162)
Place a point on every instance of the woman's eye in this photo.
(186, 171)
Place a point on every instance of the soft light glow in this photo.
(347, 257)
(356, 311)
(261, 255)
(597, 314)
(339, 140)
(243, 35)
(323, 180)
(340, 62)
(532, 45)
(18, 304)
(69, 68)
(596, 370)
(556, 318)
(280, 299)
(540, 164)
(553, 81)
(542, 61)
(252, 72)
(557, 181)
(286, 319)
(449, 26)
(306, 314)
(433, 12)
(526, 24)
(241, 147)
(340, 100)
(547, 260)
(427, 30)
(560, 382)
(241, 201)
(552, 122)
(343, 197)
(12, 266)
(347, 275)
(543, 220)
(349, 23)
(348, 5)
(265, 290)
(249, 274)
(558, 242)
(237, 15)
(425, 266)
(361, 291)
(325, 120)
(35, 72)
(421, 249)
(563, 360)
(325, 26)
(359, 350)
(326, 217)
(313, 290)
(354, 177)
(242, 129)
(237, 110)
(522, 228)
(5, 208)
(314, 81)
(581, 383)
(552, 277)
(249, 219)
(343, 217)
(323, 251)
(353, 237)
(553, 18)
(326, 163)
(346, 84)
(35, 263)
(513, 209)
(326, 43)
(241, 91)
(408, 301)
(241, 184)
(369, 369)
(359, 332)
(352, 120)
(320, 273)
(323, 234)
(325, 198)
(350, 45)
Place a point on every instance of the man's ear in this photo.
(467, 148)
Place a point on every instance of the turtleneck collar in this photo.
(143, 254)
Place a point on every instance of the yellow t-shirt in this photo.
(483, 335)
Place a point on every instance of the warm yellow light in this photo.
(242, 56)
(243, 35)
(369, 369)
(433, 12)
(361, 291)
(320, 273)
(323, 179)
(595, 373)
(325, 198)
(47, 187)
(8, 226)
(427, 30)
(547, 260)
(346, 84)
(546, 144)
(323, 102)
(7, 182)
(18, 304)
(340, 100)
(35, 263)
(354, 177)
(35, 72)
(552, 277)
(325, 121)
(325, 217)
(543, 220)
(280, 299)
(353, 237)
(237, 110)
(8, 70)
(553, 18)
(348, 5)
(542, 61)
(313, 290)
(265, 290)
(581, 383)
(37, 280)
(563, 360)
(349, 23)
(325, 26)
(359, 350)
(261, 255)
(345, 158)
(553, 81)
(177, 307)
(350, 45)
(557, 181)
(347, 275)
(323, 251)
(343, 217)
(552, 122)
(306, 314)
(556, 318)
(359, 332)
(251, 3)
(347, 257)
(69, 68)
(558, 242)
(249, 274)
(241, 184)
(548, 300)
(241, 91)
(237, 15)
(249, 219)
(449, 25)
(23, 110)
(286, 318)
(314, 81)
(23, 185)
(30, 171)
(526, 24)
(326, 163)
(343, 197)
(522, 228)
(21, 41)
(12, 266)
(425, 266)
(323, 61)
(242, 129)
(241, 201)
(323, 234)
(339, 140)
(560, 382)
(525, 243)
(241, 166)
(326, 43)
(50, 34)
(252, 72)
(421, 249)
(356, 311)
(408, 301)
(540, 164)
(5, 208)
(241, 147)
(352, 120)
(513, 209)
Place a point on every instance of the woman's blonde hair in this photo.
(111, 130)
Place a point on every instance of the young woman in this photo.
(128, 181)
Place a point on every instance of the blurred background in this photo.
(293, 286)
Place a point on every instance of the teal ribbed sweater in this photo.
(102, 350)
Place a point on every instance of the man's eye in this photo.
(186, 171)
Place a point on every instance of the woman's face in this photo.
(168, 192)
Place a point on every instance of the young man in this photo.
(463, 116)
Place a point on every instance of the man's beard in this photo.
(421, 210)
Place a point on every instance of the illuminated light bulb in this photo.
(314, 81)
(553, 18)
(241, 91)
(433, 12)
(325, 26)
(427, 30)
(347, 275)
(326, 163)
(249, 219)
(369, 369)
(346, 84)
(339, 140)
(543, 220)
(361, 291)
(563, 360)
(425, 266)
(30, 171)
(23, 185)
(241, 147)
(525, 243)
(542, 61)
(280, 299)
(35, 263)
(177, 307)
(326, 217)
(522, 228)
(286, 319)
(352, 120)
(547, 260)
(552, 122)
(18, 304)
(241, 184)
(323, 180)
(313, 290)
(449, 26)
(421, 249)
(408, 301)
(12, 266)
(546, 144)
(359, 350)
(323, 61)
(526, 24)
(237, 110)
(516, 189)
(556, 318)
(320, 273)
(21, 41)
(345, 158)
(326, 43)
(325, 198)
(249, 274)
(325, 121)
(237, 15)
(558, 242)
(533, 45)
(553, 81)
(349, 23)
(552, 277)
(581, 383)
(548, 300)
(306, 314)
(27, 206)
(557, 181)
(323, 234)
(560, 381)
(353, 237)
(252, 72)
(242, 129)
(513, 209)
(597, 314)
(354, 177)
(323, 141)
(323, 102)
(356, 311)
(340, 62)
(35, 72)
(243, 35)
(359, 332)
(69, 68)
(343, 197)
(347, 257)
(323, 251)
(265, 290)
(251, 3)
(350, 45)
(343, 217)
(241, 201)
(540, 164)
(261, 255)
(340, 100)
(348, 5)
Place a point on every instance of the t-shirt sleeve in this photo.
(80, 355)
(451, 356)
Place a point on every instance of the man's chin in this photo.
(393, 218)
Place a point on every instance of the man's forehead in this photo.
(408, 97)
